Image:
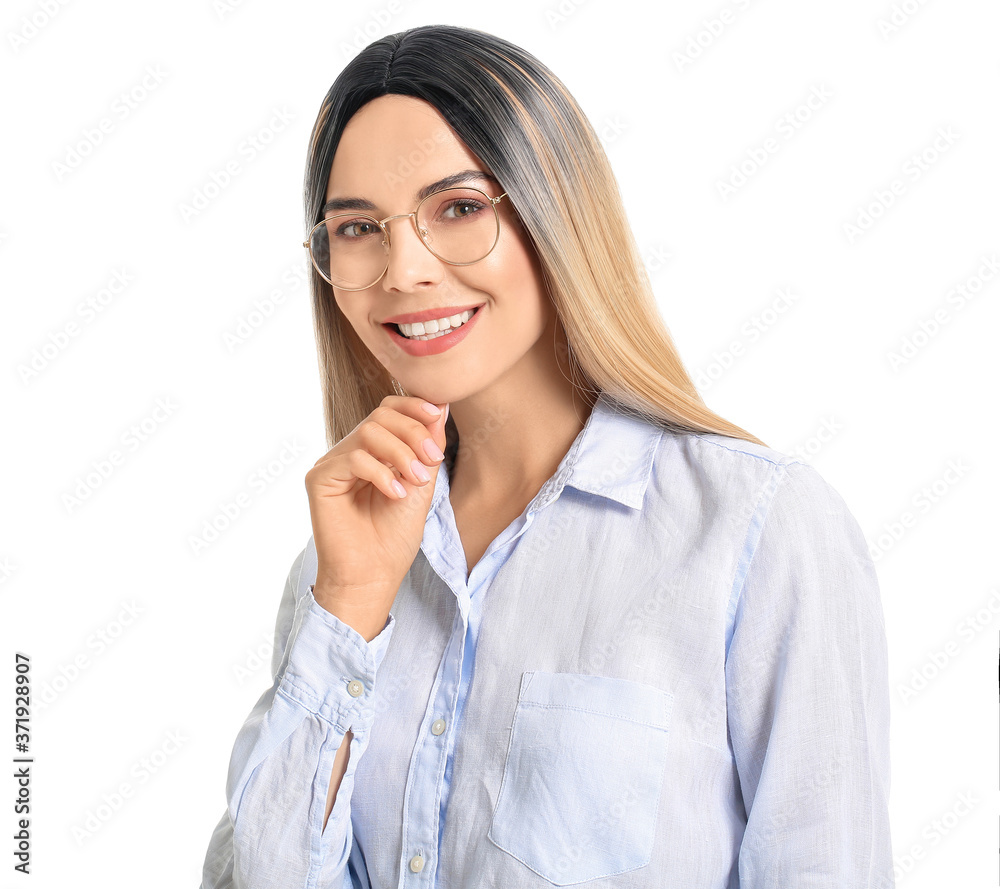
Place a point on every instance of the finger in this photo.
(414, 406)
(359, 464)
(388, 439)
(426, 440)
(408, 420)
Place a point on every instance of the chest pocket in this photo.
(582, 779)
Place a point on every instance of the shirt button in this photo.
(417, 863)
(355, 688)
(437, 727)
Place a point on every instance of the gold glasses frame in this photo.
(421, 233)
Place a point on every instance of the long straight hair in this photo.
(519, 119)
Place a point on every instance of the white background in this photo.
(147, 655)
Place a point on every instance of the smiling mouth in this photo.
(429, 330)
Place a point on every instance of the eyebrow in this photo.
(447, 182)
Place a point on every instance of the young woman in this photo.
(557, 623)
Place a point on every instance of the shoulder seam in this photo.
(788, 461)
(751, 540)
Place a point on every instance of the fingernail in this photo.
(432, 450)
(432, 409)
(447, 408)
(419, 471)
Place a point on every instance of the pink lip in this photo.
(429, 314)
(420, 348)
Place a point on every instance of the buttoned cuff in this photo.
(331, 668)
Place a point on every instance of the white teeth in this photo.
(426, 330)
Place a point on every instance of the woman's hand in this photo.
(366, 535)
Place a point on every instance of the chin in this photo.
(433, 394)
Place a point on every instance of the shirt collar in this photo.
(611, 457)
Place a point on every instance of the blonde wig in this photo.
(520, 121)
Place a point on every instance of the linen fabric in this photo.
(669, 671)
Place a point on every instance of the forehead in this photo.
(392, 147)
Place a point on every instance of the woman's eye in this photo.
(357, 229)
(463, 209)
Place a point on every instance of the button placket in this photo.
(470, 640)
(425, 782)
(426, 795)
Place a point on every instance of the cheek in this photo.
(526, 286)
(516, 273)
(356, 319)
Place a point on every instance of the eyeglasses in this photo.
(460, 226)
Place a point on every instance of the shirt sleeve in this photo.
(272, 835)
(808, 695)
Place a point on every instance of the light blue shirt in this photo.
(669, 671)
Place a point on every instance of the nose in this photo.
(411, 264)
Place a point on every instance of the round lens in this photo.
(349, 250)
(459, 225)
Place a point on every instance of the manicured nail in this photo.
(432, 450)
(447, 410)
(419, 471)
(432, 409)
(398, 488)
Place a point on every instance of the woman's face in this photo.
(394, 148)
